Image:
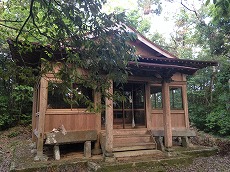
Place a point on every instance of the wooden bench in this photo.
(184, 134)
(58, 138)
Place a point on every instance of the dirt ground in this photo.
(15, 148)
(14, 143)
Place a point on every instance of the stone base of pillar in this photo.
(169, 151)
(109, 159)
(160, 144)
(185, 142)
(108, 154)
(57, 153)
(40, 157)
(96, 151)
(87, 149)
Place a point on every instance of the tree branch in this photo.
(27, 19)
(11, 21)
(39, 31)
(189, 9)
(14, 28)
(57, 3)
(10, 27)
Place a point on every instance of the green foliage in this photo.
(209, 99)
(22, 99)
(158, 39)
(221, 9)
(5, 118)
(13, 134)
(15, 108)
(22, 93)
(218, 121)
(217, 30)
(87, 38)
(137, 21)
(198, 37)
(146, 6)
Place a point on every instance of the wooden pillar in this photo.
(109, 122)
(148, 106)
(166, 115)
(42, 111)
(34, 113)
(97, 105)
(185, 105)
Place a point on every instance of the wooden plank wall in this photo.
(72, 121)
(157, 119)
(177, 119)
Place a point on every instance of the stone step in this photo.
(138, 153)
(139, 146)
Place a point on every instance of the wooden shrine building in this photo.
(156, 107)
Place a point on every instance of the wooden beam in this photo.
(163, 66)
(148, 106)
(166, 115)
(185, 105)
(34, 113)
(42, 110)
(109, 121)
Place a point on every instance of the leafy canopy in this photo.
(91, 39)
(83, 36)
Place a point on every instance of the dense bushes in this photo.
(209, 105)
(15, 106)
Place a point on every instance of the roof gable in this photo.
(143, 40)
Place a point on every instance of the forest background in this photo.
(199, 33)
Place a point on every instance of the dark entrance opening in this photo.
(130, 111)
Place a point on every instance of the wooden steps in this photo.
(131, 140)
